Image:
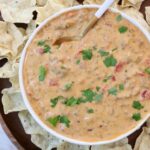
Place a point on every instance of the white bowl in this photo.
(27, 103)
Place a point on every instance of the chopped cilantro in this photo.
(110, 61)
(107, 78)
(112, 91)
(59, 119)
(72, 101)
(103, 53)
(136, 116)
(42, 73)
(147, 70)
(47, 48)
(119, 18)
(65, 120)
(55, 100)
(78, 61)
(98, 97)
(114, 49)
(41, 43)
(97, 88)
(88, 94)
(68, 86)
(90, 110)
(53, 120)
(121, 87)
(87, 54)
(137, 105)
(123, 29)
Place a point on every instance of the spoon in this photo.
(92, 22)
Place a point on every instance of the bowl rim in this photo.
(23, 92)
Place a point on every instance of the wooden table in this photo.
(11, 122)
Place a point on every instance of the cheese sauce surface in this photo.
(93, 89)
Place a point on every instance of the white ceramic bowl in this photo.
(27, 103)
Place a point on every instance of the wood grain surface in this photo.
(11, 122)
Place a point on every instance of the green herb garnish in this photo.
(47, 48)
(137, 105)
(123, 29)
(55, 100)
(98, 97)
(41, 43)
(87, 54)
(147, 70)
(59, 119)
(78, 61)
(103, 53)
(68, 86)
(90, 110)
(97, 88)
(72, 101)
(107, 78)
(42, 73)
(136, 116)
(121, 87)
(113, 91)
(88, 94)
(110, 61)
(119, 18)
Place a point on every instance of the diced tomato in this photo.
(119, 66)
(145, 94)
(53, 82)
(141, 74)
(40, 51)
(113, 78)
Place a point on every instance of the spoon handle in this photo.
(103, 8)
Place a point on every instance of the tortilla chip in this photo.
(14, 81)
(131, 3)
(12, 100)
(30, 126)
(41, 2)
(69, 146)
(10, 69)
(135, 14)
(143, 141)
(51, 7)
(17, 11)
(93, 1)
(147, 12)
(31, 27)
(46, 142)
(11, 38)
(120, 145)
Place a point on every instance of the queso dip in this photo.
(93, 89)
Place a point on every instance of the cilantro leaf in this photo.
(97, 88)
(137, 105)
(90, 110)
(87, 54)
(121, 87)
(78, 61)
(110, 61)
(147, 70)
(107, 78)
(103, 53)
(47, 48)
(41, 43)
(72, 101)
(59, 119)
(98, 97)
(113, 91)
(136, 116)
(68, 86)
(123, 29)
(42, 73)
(119, 18)
(54, 120)
(64, 120)
(88, 94)
(55, 100)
